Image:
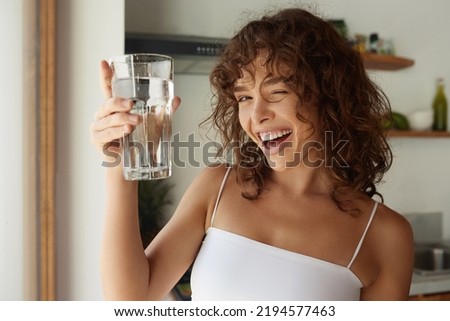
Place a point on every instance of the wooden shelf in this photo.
(389, 62)
(419, 133)
(385, 62)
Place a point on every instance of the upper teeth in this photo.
(273, 135)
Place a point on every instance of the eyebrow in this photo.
(266, 83)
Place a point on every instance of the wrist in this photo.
(114, 175)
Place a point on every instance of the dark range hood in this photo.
(192, 54)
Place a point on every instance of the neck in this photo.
(301, 181)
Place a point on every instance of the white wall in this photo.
(11, 161)
(419, 180)
(87, 32)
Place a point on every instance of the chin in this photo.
(280, 164)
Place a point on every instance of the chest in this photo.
(295, 222)
(231, 267)
(312, 226)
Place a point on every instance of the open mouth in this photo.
(274, 139)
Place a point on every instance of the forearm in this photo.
(125, 269)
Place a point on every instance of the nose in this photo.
(261, 110)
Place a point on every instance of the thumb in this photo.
(106, 74)
(176, 103)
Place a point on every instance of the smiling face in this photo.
(330, 89)
(269, 113)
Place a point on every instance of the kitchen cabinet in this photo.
(430, 287)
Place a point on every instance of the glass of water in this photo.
(148, 80)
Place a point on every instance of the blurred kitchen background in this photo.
(88, 31)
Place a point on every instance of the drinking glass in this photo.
(148, 80)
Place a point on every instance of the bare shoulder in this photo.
(392, 249)
(193, 209)
(210, 179)
(204, 189)
(215, 172)
(174, 248)
(392, 227)
(392, 234)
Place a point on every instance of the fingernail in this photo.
(128, 103)
(127, 128)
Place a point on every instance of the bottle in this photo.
(373, 42)
(440, 107)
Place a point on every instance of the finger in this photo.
(106, 74)
(114, 105)
(100, 138)
(176, 103)
(114, 120)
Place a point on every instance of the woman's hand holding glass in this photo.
(113, 120)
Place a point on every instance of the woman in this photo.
(293, 218)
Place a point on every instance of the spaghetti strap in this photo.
(220, 194)
(374, 210)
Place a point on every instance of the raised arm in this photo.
(122, 262)
(129, 272)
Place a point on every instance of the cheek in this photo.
(244, 118)
(245, 122)
(307, 118)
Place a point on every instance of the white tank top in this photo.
(236, 268)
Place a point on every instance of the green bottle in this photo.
(440, 107)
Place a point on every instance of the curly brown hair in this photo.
(325, 71)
